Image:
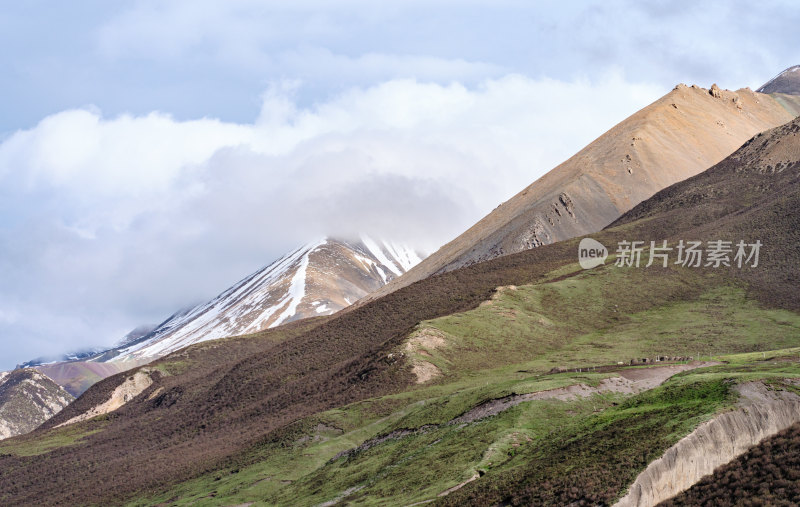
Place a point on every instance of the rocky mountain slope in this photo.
(678, 136)
(787, 82)
(27, 399)
(317, 279)
(785, 89)
(327, 410)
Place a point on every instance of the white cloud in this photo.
(358, 41)
(120, 221)
(126, 155)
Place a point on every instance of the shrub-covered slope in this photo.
(768, 474)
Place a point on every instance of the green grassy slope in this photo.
(543, 451)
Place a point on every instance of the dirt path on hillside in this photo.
(629, 381)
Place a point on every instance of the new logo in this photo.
(591, 253)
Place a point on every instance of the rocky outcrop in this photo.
(761, 414)
(27, 399)
(419, 347)
(125, 392)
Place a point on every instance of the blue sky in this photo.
(201, 58)
(152, 153)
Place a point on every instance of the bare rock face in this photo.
(680, 135)
(762, 414)
(122, 394)
(27, 399)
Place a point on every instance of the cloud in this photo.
(201, 57)
(310, 40)
(111, 222)
(359, 41)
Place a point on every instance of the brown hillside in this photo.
(681, 134)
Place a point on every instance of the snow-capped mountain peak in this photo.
(319, 278)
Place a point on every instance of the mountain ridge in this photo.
(677, 136)
(319, 278)
(787, 82)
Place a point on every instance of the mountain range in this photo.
(497, 371)
(317, 279)
(291, 416)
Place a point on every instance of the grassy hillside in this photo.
(509, 345)
(541, 451)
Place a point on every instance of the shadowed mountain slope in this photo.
(787, 82)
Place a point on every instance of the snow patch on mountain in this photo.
(297, 289)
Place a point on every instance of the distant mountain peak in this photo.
(787, 82)
(319, 278)
(27, 399)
